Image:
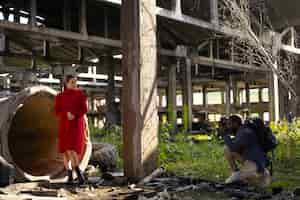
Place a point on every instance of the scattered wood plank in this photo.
(154, 174)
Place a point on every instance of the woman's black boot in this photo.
(70, 177)
(81, 179)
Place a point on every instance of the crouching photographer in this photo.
(245, 149)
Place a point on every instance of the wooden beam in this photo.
(173, 15)
(226, 64)
(49, 60)
(171, 53)
(140, 119)
(212, 26)
(290, 49)
(49, 33)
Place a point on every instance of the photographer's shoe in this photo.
(235, 177)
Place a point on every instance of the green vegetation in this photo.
(202, 156)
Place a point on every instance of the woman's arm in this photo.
(87, 130)
(58, 106)
(82, 105)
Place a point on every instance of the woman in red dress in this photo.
(70, 108)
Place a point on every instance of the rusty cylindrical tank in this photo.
(29, 130)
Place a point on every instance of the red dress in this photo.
(71, 132)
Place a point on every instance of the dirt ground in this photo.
(61, 191)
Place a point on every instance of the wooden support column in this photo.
(235, 95)
(111, 113)
(46, 49)
(33, 12)
(177, 7)
(228, 98)
(248, 104)
(83, 18)
(80, 55)
(67, 15)
(187, 96)
(260, 99)
(2, 47)
(5, 12)
(172, 104)
(106, 22)
(140, 119)
(214, 14)
(271, 97)
(160, 99)
(222, 96)
(17, 15)
(283, 102)
(295, 101)
(205, 103)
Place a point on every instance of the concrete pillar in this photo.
(187, 96)
(228, 98)
(172, 104)
(273, 97)
(139, 64)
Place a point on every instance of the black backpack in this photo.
(265, 136)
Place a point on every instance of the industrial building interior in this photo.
(206, 68)
(39, 55)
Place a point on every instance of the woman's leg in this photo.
(67, 160)
(75, 160)
(75, 166)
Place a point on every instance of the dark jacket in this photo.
(246, 144)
